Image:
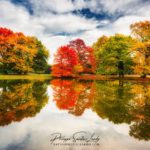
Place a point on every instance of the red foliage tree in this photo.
(5, 32)
(85, 55)
(65, 61)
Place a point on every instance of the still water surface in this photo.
(31, 110)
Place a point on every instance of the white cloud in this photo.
(122, 25)
(65, 23)
(113, 6)
(48, 26)
(60, 6)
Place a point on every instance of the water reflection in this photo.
(20, 99)
(73, 95)
(116, 101)
(112, 101)
(110, 108)
(141, 112)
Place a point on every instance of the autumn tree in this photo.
(141, 30)
(85, 55)
(6, 32)
(141, 49)
(19, 53)
(115, 55)
(65, 62)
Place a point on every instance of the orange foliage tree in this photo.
(17, 52)
(141, 30)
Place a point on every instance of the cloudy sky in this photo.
(56, 22)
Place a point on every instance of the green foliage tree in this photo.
(97, 47)
(40, 64)
(114, 55)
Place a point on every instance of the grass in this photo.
(82, 77)
(29, 76)
(114, 77)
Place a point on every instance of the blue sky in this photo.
(56, 22)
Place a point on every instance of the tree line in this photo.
(117, 54)
(109, 55)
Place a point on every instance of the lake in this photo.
(72, 114)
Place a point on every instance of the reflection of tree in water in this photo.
(141, 112)
(112, 101)
(118, 101)
(85, 97)
(125, 103)
(72, 95)
(20, 99)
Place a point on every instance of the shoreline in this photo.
(81, 77)
(114, 77)
(28, 76)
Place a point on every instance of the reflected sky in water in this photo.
(31, 110)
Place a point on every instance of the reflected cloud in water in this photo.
(118, 113)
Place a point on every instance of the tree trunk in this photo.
(143, 75)
(121, 69)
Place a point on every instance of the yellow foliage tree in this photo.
(141, 30)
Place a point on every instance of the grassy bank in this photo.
(82, 77)
(29, 76)
(113, 77)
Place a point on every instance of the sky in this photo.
(56, 22)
